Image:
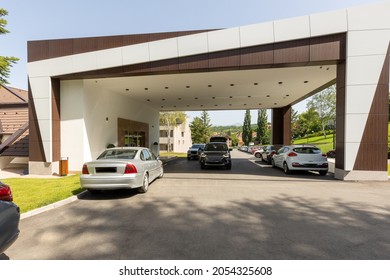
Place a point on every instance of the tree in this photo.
(246, 128)
(201, 128)
(307, 123)
(324, 103)
(6, 62)
(262, 126)
(171, 120)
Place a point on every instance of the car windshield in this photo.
(197, 146)
(118, 154)
(216, 147)
(307, 150)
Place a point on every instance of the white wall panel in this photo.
(60, 66)
(354, 127)
(193, 44)
(292, 29)
(84, 62)
(351, 151)
(224, 39)
(363, 70)
(257, 34)
(372, 42)
(135, 54)
(38, 69)
(366, 17)
(163, 49)
(40, 86)
(109, 58)
(328, 23)
(43, 106)
(359, 99)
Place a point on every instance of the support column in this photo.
(281, 126)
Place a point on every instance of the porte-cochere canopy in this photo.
(80, 87)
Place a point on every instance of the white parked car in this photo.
(300, 157)
(122, 168)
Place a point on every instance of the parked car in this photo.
(5, 192)
(331, 154)
(194, 151)
(216, 154)
(259, 152)
(269, 151)
(122, 168)
(301, 157)
(9, 224)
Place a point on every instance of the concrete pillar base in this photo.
(359, 175)
(43, 168)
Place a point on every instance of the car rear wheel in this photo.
(273, 163)
(323, 172)
(145, 184)
(257, 155)
(228, 166)
(285, 168)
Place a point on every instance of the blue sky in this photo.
(45, 19)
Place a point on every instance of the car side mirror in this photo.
(230, 149)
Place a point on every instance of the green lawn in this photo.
(32, 193)
(325, 144)
(173, 154)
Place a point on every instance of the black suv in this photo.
(216, 154)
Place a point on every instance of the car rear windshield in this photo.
(197, 146)
(216, 147)
(118, 154)
(307, 150)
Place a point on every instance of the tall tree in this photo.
(6, 62)
(262, 126)
(171, 120)
(246, 128)
(324, 103)
(201, 128)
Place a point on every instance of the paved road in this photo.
(249, 212)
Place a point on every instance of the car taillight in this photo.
(292, 154)
(85, 169)
(5, 193)
(130, 169)
(324, 155)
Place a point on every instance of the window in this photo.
(146, 155)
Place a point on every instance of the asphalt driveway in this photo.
(249, 212)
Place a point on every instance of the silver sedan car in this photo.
(122, 168)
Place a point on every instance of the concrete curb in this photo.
(52, 206)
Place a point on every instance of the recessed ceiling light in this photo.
(245, 104)
(232, 85)
(163, 99)
(162, 106)
(174, 106)
(275, 103)
(268, 95)
(201, 105)
(287, 94)
(249, 96)
(230, 96)
(166, 87)
(187, 86)
(256, 84)
(215, 105)
(230, 104)
(213, 97)
(148, 100)
(209, 85)
(196, 98)
(127, 89)
(280, 83)
(260, 104)
(146, 88)
(179, 98)
(306, 82)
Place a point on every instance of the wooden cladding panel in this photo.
(292, 52)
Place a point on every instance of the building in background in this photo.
(14, 143)
(179, 140)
